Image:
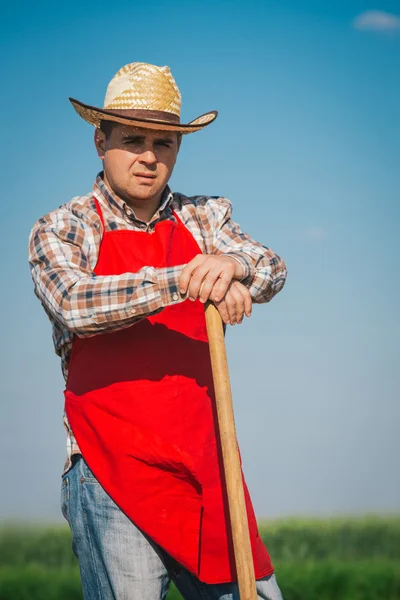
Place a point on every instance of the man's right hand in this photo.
(235, 304)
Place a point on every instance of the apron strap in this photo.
(179, 220)
(99, 212)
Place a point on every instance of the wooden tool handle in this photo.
(230, 454)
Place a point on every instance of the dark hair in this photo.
(107, 126)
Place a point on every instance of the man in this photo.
(123, 274)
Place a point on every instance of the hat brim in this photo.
(94, 115)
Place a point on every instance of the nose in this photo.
(148, 157)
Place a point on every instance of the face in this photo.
(137, 162)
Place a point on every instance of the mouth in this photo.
(145, 176)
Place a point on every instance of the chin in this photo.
(144, 194)
(146, 191)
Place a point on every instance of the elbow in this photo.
(71, 318)
(79, 327)
(75, 324)
(271, 283)
(64, 316)
(61, 304)
(278, 277)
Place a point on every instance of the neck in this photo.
(144, 210)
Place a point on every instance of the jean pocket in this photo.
(86, 474)
(65, 497)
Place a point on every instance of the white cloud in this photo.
(377, 20)
(314, 234)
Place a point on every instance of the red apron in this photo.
(141, 405)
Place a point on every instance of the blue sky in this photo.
(306, 146)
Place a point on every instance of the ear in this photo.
(100, 143)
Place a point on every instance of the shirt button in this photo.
(175, 297)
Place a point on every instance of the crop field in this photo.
(335, 559)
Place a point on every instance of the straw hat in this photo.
(143, 95)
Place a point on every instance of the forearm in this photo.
(88, 305)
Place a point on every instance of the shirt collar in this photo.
(102, 191)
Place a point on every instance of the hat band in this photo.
(158, 115)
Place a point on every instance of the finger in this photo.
(223, 311)
(203, 278)
(222, 285)
(238, 299)
(196, 280)
(248, 301)
(231, 307)
(208, 284)
(187, 272)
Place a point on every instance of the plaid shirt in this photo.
(63, 251)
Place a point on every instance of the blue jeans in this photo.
(117, 561)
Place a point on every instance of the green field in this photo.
(336, 559)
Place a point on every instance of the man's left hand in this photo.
(236, 303)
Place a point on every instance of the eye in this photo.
(132, 140)
(163, 143)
